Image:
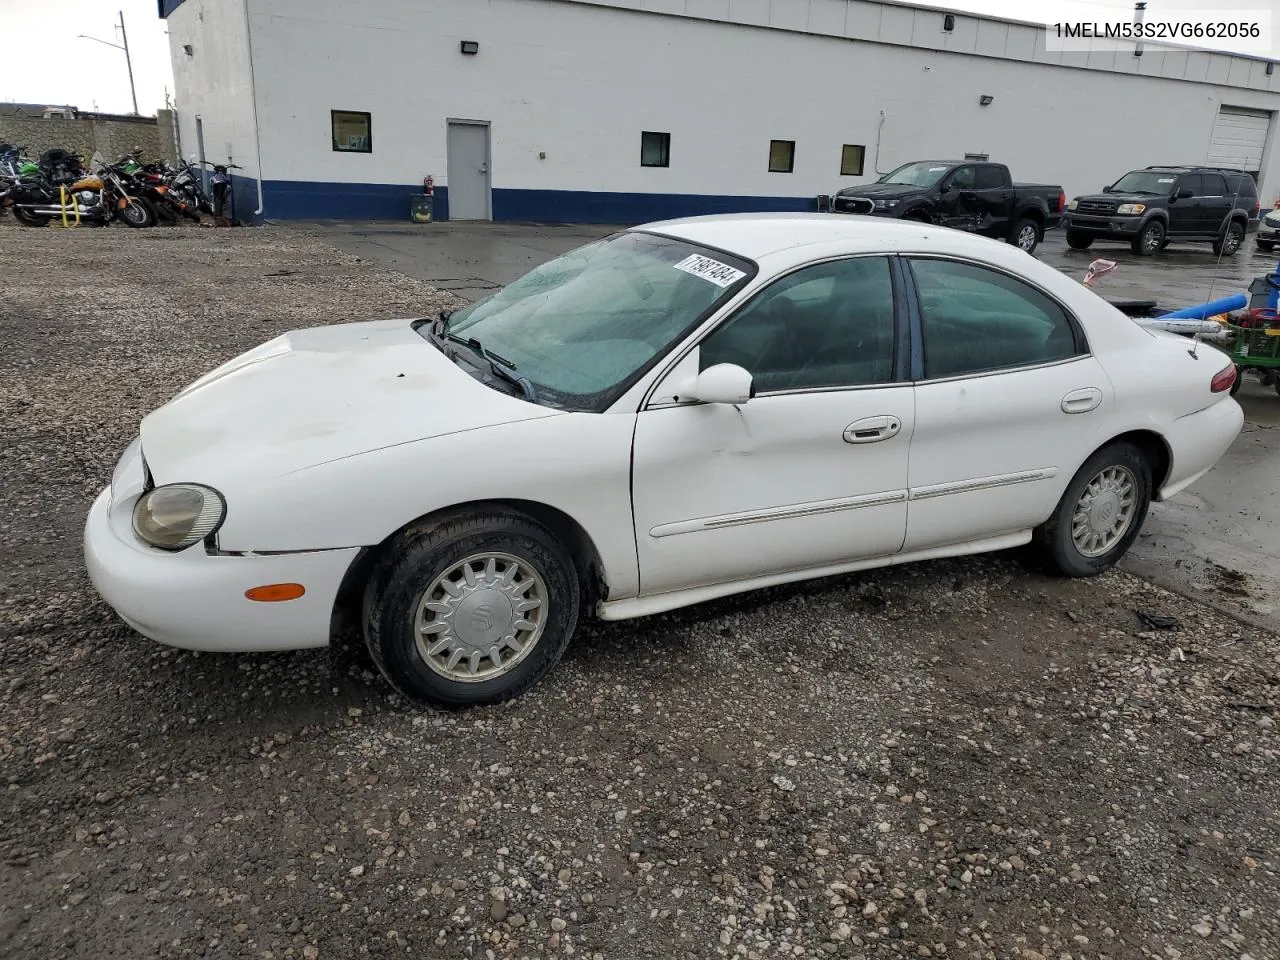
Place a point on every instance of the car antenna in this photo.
(1235, 199)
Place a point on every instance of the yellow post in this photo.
(66, 199)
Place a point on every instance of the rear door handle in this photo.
(872, 429)
(1082, 401)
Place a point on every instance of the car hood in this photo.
(313, 396)
(1146, 198)
(881, 191)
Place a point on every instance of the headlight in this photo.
(885, 204)
(1072, 204)
(1128, 209)
(178, 515)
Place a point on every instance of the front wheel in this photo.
(137, 212)
(1150, 239)
(471, 610)
(1026, 235)
(1231, 240)
(1079, 241)
(1101, 513)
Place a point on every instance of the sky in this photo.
(92, 75)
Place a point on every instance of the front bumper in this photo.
(1103, 226)
(194, 600)
(1268, 233)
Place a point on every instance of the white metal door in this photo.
(1239, 138)
(468, 146)
(993, 454)
(780, 483)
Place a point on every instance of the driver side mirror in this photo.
(723, 383)
(949, 186)
(1184, 194)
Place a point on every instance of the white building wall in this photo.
(578, 81)
(213, 82)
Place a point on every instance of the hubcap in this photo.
(1233, 239)
(1027, 237)
(481, 617)
(1105, 511)
(1153, 239)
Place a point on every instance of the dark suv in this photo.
(1149, 208)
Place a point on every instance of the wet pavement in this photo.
(1218, 541)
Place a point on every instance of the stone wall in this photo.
(87, 135)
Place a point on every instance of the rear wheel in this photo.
(1231, 239)
(471, 610)
(28, 219)
(1079, 241)
(1239, 381)
(1026, 235)
(1101, 513)
(1150, 239)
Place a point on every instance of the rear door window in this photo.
(990, 177)
(1213, 185)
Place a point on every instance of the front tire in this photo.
(1026, 235)
(1100, 514)
(1079, 241)
(471, 610)
(1150, 239)
(138, 213)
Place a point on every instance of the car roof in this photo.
(756, 235)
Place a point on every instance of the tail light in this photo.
(1224, 379)
(1062, 200)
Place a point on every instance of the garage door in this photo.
(1239, 136)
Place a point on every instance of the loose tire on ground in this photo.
(403, 627)
(1092, 504)
(1266, 246)
(1079, 241)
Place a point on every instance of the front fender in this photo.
(577, 463)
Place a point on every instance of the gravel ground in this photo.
(957, 759)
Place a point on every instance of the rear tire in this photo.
(30, 219)
(461, 585)
(1150, 239)
(1231, 240)
(1100, 514)
(1079, 241)
(1239, 381)
(1026, 235)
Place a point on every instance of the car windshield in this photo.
(581, 328)
(1155, 182)
(923, 173)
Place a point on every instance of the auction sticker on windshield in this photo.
(721, 274)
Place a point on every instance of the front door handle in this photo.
(872, 429)
(1082, 401)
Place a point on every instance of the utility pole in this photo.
(127, 59)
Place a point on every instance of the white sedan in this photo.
(678, 412)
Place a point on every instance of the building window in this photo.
(352, 131)
(655, 149)
(851, 159)
(782, 156)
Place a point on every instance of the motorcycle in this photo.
(151, 182)
(99, 198)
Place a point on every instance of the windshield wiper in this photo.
(500, 366)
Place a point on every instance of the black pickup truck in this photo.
(964, 194)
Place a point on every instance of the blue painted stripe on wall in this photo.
(585, 206)
(168, 6)
(311, 200)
